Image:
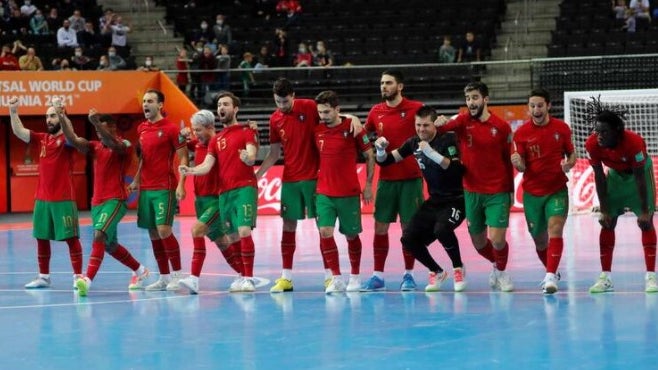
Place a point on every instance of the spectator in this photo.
(107, 18)
(224, 66)
(640, 9)
(204, 32)
(304, 57)
(30, 61)
(148, 65)
(624, 18)
(38, 24)
(115, 60)
(103, 63)
(322, 57)
(120, 36)
(291, 9)
(208, 64)
(247, 76)
(183, 66)
(470, 49)
(447, 52)
(281, 47)
(264, 59)
(62, 65)
(54, 20)
(77, 21)
(8, 61)
(27, 9)
(195, 77)
(80, 61)
(18, 49)
(66, 36)
(17, 23)
(88, 38)
(222, 31)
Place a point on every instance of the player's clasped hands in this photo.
(185, 170)
(440, 120)
(381, 143)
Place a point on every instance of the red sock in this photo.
(287, 248)
(409, 259)
(160, 256)
(501, 257)
(43, 256)
(122, 255)
(542, 254)
(649, 243)
(95, 259)
(198, 255)
(75, 253)
(554, 254)
(606, 246)
(172, 250)
(233, 257)
(330, 254)
(380, 251)
(324, 261)
(247, 250)
(487, 252)
(354, 250)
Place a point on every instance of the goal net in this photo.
(642, 118)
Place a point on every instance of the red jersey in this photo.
(294, 130)
(55, 182)
(543, 148)
(630, 152)
(206, 184)
(9, 63)
(338, 153)
(485, 148)
(110, 168)
(159, 142)
(225, 147)
(396, 124)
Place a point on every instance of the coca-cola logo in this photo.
(269, 193)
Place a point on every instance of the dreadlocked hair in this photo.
(611, 113)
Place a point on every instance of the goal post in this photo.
(642, 118)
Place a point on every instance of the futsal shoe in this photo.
(282, 285)
(83, 284)
(458, 277)
(408, 283)
(354, 284)
(159, 285)
(374, 284)
(603, 284)
(173, 283)
(435, 280)
(38, 283)
(335, 286)
(650, 284)
(191, 283)
(236, 284)
(505, 282)
(137, 281)
(549, 285)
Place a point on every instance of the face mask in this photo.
(38, 17)
(64, 66)
(302, 50)
(103, 64)
(204, 26)
(27, 3)
(111, 54)
(220, 23)
(199, 49)
(148, 63)
(78, 53)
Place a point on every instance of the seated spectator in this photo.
(222, 31)
(264, 58)
(17, 23)
(30, 61)
(27, 9)
(304, 57)
(8, 61)
(292, 10)
(18, 49)
(247, 77)
(88, 38)
(80, 61)
(103, 64)
(447, 52)
(66, 36)
(148, 65)
(470, 49)
(77, 21)
(183, 67)
(61, 65)
(322, 56)
(54, 20)
(115, 60)
(38, 24)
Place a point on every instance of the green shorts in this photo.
(484, 210)
(298, 200)
(402, 197)
(155, 208)
(346, 209)
(55, 220)
(237, 207)
(207, 211)
(539, 209)
(106, 216)
(622, 191)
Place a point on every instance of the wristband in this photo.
(433, 154)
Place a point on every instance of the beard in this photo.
(53, 129)
(390, 97)
(477, 114)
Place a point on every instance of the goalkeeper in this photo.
(540, 147)
(439, 216)
(629, 183)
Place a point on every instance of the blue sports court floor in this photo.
(478, 329)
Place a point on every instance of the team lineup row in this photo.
(467, 163)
